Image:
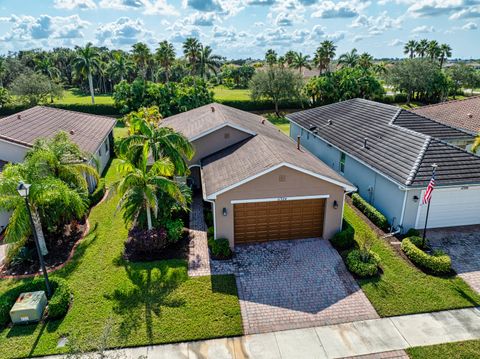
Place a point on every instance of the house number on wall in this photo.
(282, 198)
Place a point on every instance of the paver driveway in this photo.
(296, 284)
(463, 246)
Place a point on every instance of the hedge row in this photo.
(363, 264)
(345, 238)
(98, 109)
(439, 263)
(250, 105)
(371, 212)
(57, 305)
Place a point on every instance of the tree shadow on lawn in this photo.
(151, 287)
(224, 284)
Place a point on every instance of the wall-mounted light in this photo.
(415, 198)
(224, 211)
(335, 204)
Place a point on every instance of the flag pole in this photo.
(428, 210)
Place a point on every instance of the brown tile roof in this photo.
(87, 131)
(463, 114)
(267, 148)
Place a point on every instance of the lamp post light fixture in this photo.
(23, 190)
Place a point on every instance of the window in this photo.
(342, 162)
(106, 145)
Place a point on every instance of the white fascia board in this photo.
(352, 156)
(15, 143)
(271, 169)
(223, 125)
(279, 199)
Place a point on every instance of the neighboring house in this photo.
(464, 114)
(18, 132)
(261, 186)
(388, 152)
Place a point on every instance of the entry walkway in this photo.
(388, 336)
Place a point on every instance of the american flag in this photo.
(428, 193)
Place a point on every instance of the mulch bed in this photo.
(178, 250)
(59, 251)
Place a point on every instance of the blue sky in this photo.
(243, 28)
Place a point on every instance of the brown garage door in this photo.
(279, 220)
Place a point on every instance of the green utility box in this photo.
(28, 308)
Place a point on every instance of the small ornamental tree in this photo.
(34, 88)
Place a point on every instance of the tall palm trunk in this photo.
(90, 84)
(149, 218)
(167, 76)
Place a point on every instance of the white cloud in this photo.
(180, 32)
(201, 19)
(396, 42)
(427, 8)
(470, 26)
(123, 32)
(377, 25)
(29, 28)
(469, 13)
(424, 29)
(148, 7)
(331, 10)
(75, 4)
(224, 7)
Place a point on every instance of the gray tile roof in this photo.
(463, 114)
(267, 148)
(87, 131)
(397, 146)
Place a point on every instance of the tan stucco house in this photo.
(262, 185)
(18, 132)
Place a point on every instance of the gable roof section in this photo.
(24, 128)
(397, 146)
(264, 151)
(463, 114)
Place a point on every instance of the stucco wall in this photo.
(269, 186)
(103, 154)
(11, 152)
(382, 193)
(216, 141)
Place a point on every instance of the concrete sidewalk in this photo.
(335, 341)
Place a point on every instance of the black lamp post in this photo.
(23, 190)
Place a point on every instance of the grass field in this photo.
(461, 350)
(74, 96)
(403, 289)
(142, 303)
(221, 93)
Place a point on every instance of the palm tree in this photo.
(207, 61)
(410, 48)
(422, 47)
(324, 55)
(476, 144)
(86, 62)
(445, 53)
(120, 66)
(141, 56)
(140, 186)
(166, 56)
(433, 50)
(381, 68)
(45, 66)
(61, 158)
(300, 61)
(271, 57)
(289, 56)
(163, 141)
(191, 50)
(349, 59)
(53, 199)
(365, 61)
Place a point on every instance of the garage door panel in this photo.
(266, 221)
(451, 207)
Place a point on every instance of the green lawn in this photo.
(144, 303)
(283, 124)
(460, 350)
(74, 96)
(403, 289)
(222, 93)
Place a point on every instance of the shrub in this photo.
(362, 263)
(57, 306)
(370, 212)
(400, 98)
(412, 232)
(208, 218)
(345, 239)
(94, 109)
(220, 248)
(174, 228)
(142, 243)
(438, 263)
(97, 195)
(259, 105)
(210, 232)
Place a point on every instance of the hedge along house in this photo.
(388, 152)
(18, 132)
(262, 186)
